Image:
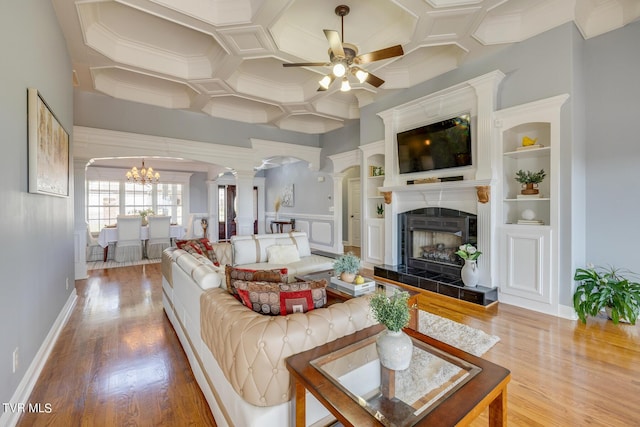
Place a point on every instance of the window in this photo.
(103, 203)
(137, 198)
(107, 199)
(169, 201)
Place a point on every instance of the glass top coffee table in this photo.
(443, 386)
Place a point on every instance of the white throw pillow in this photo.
(282, 254)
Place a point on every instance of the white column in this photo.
(80, 221)
(244, 202)
(212, 203)
(486, 89)
(338, 178)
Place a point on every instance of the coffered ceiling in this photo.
(224, 57)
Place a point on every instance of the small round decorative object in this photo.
(528, 214)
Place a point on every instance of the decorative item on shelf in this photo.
(144, 214)
(276, 205)
(394, 346)
(204, 223)
(529, 144)
(346, 267)
(530, 180)
(380, 210)
(529, 218)
(430, 180)
(609, 289)
(376, 171)
(143, 176)
(470, 272)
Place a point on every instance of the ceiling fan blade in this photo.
(307, 64)
(374, 80)
(334, 43)
(377, 55)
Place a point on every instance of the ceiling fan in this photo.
(344, 59)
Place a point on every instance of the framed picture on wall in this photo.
(48, 149)
(287, 196)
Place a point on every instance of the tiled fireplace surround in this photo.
(477, 96)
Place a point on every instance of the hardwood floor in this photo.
(119, 362)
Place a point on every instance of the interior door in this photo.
(354, 212)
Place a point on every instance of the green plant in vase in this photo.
(380, 210)
(530, 180)
(394, 347)
(608, 289)
(392, 311)
(346, 267)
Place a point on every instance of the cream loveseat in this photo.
(236, 354)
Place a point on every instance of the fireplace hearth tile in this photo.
(437, 283)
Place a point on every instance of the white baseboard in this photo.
(28, 382)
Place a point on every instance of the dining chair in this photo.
(129, 243)
(94, 252)
(159, 235)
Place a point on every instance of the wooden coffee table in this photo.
(342, 376)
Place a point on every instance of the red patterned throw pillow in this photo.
(282, 298)
(276, 275)
(201, 246)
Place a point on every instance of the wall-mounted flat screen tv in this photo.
(441, 145)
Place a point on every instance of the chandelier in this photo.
(143, 176)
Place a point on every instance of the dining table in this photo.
(109, 234)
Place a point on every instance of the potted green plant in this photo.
(380, 210)
(529, 179)
(394, 346)
(607, 289)
(347, 267)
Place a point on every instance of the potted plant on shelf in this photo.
(607, 289)
(470, 273)
(529, 180)
(380, 210)
(394, 346)
(347, 267)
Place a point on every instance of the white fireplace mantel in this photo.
(479, 97)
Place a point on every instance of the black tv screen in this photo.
(441, 145)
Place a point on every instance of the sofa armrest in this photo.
(251, 348)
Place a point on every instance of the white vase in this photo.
(470, 273)
(394, 350)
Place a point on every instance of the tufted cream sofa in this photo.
(237, 355)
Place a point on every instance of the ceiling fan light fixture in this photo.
(339, 69)
(361, 75)
(345, 87)
(326, 82)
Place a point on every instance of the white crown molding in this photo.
(90, 143)
(119, 174)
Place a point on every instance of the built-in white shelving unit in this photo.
(372, 251)
(528, 269)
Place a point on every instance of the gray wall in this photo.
(37, 230)
(198, 193)
(311, 196)
(612, 63)
(533, 71)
